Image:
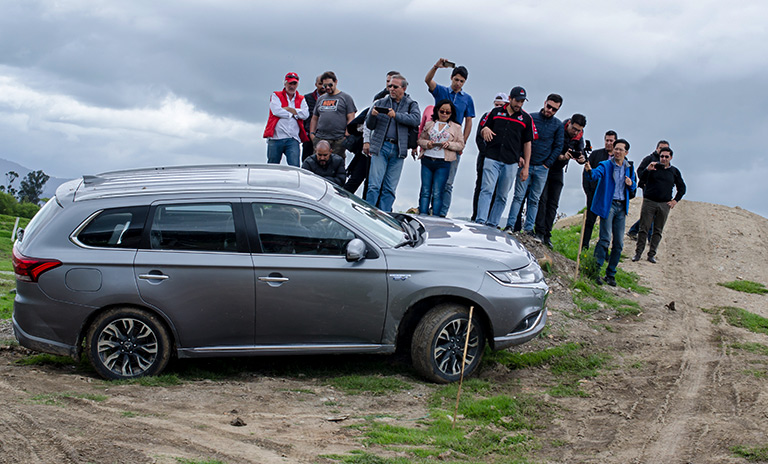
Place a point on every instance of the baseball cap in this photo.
(292, 77)
(502, 96)
(518, 93)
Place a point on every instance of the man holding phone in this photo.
(465, 112)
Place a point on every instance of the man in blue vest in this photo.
(285, 126)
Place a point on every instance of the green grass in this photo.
(756, 348)
(738, 317)
(371, 384)
(45, 359)
(589, 294)
(759, 454)
(746, 286)
(59, 399)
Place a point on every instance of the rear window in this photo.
(115, 228)
(42, 218)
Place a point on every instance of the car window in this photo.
(289, 229)
(115, 228)
(41, 219)
(201, 227)
(372, 219)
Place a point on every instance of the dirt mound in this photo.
(677, 390)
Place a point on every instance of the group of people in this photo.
(526, 154)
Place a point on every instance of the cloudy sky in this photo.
(92, 86)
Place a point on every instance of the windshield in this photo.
(372, 219)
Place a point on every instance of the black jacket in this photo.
(659, 183)
(333, 170)
(653, 157)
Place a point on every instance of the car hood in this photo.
(473, 240)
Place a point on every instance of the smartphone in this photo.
(449, 64)
(382, 109)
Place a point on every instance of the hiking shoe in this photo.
(652, 259)
(631, 235)
(610, 280)
(636, 258)
(546, 241)
(598, 280)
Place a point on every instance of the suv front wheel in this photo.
(438, 342)
(125, 343)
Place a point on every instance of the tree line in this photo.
(24, 200)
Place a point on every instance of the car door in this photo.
(197, 270)
(306, 291)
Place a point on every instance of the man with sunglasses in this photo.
(389, 120)
(333, 111)
(659, 178)
(652, 158)
(546, 147)
(285, 127)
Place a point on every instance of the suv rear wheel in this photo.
(437, 348)
(125, 343)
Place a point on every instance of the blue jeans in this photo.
(383, 176)
(612, 225)
(499, 176)
(434, 175)
(276, 148)
(448, 192)
(534, 185)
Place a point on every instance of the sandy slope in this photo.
(677, 392)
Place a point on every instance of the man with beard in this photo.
(333, 112)
(285, 129)
(326, 164)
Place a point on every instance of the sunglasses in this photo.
(327, 86)
(393, 86)
(665, 156)
(552, 108)
(445, 112)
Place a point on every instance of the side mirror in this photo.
(355, 250)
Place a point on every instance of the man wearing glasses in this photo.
(285, 128)
(653, 157)
(545, 149)
(333, 111)
(389, 120)
(659, 178)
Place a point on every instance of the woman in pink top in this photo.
(440, 141)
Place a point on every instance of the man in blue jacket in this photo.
(615, 182)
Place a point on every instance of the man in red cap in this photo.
(285, 127)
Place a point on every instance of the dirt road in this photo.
(676, 391)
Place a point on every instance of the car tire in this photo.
(126, 343)
(437, 348)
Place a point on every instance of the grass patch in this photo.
(60, 399)
(759, 454)
(756, 348)
(45, 359)
(589, 294)
(746, 286)
(371, 384)
(738, 317)
(757, 373)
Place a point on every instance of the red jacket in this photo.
(269, 130)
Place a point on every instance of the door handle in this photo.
(274, 279)
(153, 276)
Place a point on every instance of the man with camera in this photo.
(573, 149)
(659, 177)
(465, 112)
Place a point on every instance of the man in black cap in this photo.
(508, 133)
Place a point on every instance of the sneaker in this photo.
(652, 259)
(598, 280)
(636, 258)
(548, 243)
(610, 280)
(530, 233)
(632, 235)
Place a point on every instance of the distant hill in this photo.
(50, 186)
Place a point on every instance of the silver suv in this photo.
(137, 266)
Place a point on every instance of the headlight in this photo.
(527, 275)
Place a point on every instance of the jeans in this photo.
(537, 177)
(276, 148)
(499, 176)
(448, 192)
(653, 216)
(383, 176)
(434, 175)
(612, 225)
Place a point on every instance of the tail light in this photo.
(29, 269)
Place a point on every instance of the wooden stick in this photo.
(581, 241)
(463, 363)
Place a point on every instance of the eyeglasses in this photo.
(393, 86)
(444, 112)
(552, 108)
(327, 86)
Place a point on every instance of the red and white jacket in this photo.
(282, 124)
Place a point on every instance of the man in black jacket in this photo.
(659, 177)
(597, 157)
(326, 164)
(652, 158)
